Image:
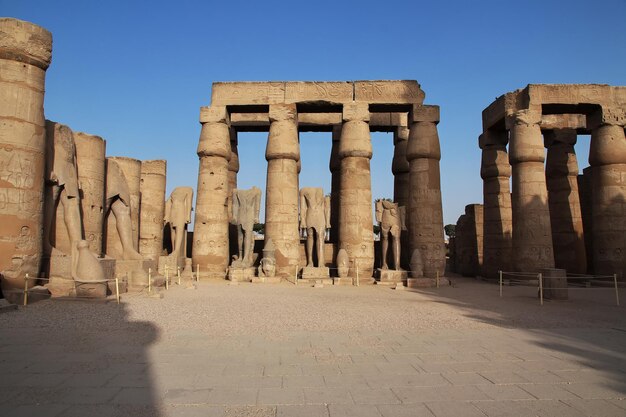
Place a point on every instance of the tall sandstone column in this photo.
(281, 198)
(335, 184)
(607, 157)
(90, 157)
(564, 201)
(233, 169)
(356, 234)
(152, 211)
(424, 212)
(495, 171)
(400, 169)
(131, 169)
(532, 233)
(210, 237)
(25, 53)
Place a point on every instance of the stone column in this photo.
(607, 157)
(233, 169)
(281, 196)
(532, 233)
(90, 157)
(210, 237)
(424, 212)
(356, 234)
(564, 202)
(153, 177)
(400, 170)
(495, 171)
(25, 53)
(131, 169)
(335, 178)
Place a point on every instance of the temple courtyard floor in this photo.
(283, 350)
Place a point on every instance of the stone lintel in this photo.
(231, 93)
(607, 116)
(388, 92)
(424, 113)
(312, 91)
(214, 114)
(563, 121)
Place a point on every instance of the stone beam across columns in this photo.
(424, 213)
(532, 233)
(564, 201)
(355, 195)
(607, 157)
(495, 171)
(281, 198)
(210, 237)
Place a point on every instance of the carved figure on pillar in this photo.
(315, 219)
(391, 218)
(118, 203)
(178, 215)
(246, 206)
(62, 181)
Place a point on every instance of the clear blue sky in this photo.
(136, 72)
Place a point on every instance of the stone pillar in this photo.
(131, 169)
(424, 212)
(400, 169)
(495, 171)
(335, 174)
(25, 53)
(153, 177)
(210, 237)
(90, 157)
(564, 201)
(607, 157)
(282, 194)
(356, 234)
(532, 233)
(233, 169)
(585, 193)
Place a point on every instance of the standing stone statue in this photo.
(118, 202)
(315, 218)
(391, 218)
(246, 206)
(62, 181)
(178, 215)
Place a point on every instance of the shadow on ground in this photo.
(66, 358)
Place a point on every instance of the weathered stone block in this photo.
(214, 114)
(311, 272)
(334, 92)
(382, 91)
(424, 113)
(248, 93)
(241, 274)
(390, 275)
(356, 111)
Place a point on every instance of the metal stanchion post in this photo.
(616, 291)
(356, 264)
(26, 290)
(178, 273)
(167, 278)
(149, 279)
(117, 289)
(541, 288)
(198, 273)
(437, 278)
(500, 274)
(295, 277)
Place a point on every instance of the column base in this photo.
(241, 274)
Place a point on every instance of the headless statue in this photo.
(178, 215)
(246, 206)
(315, 218)
(62, 180)
(118, 201)
(391, 219)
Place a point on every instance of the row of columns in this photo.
(539, 225)
(417, 186)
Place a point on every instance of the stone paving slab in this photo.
(133, 366)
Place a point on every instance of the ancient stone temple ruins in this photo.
(348, 111)
(551, 216)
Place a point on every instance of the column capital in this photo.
(400, 134)
(214, 114)
(25, 42)
(611, 116)
(424, 113)
(560, 136)
(523, 117)
(493, 138)
(279, 112)
(356, 112)
(214, 140)
(494, 162)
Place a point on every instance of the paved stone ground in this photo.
(280, 350)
